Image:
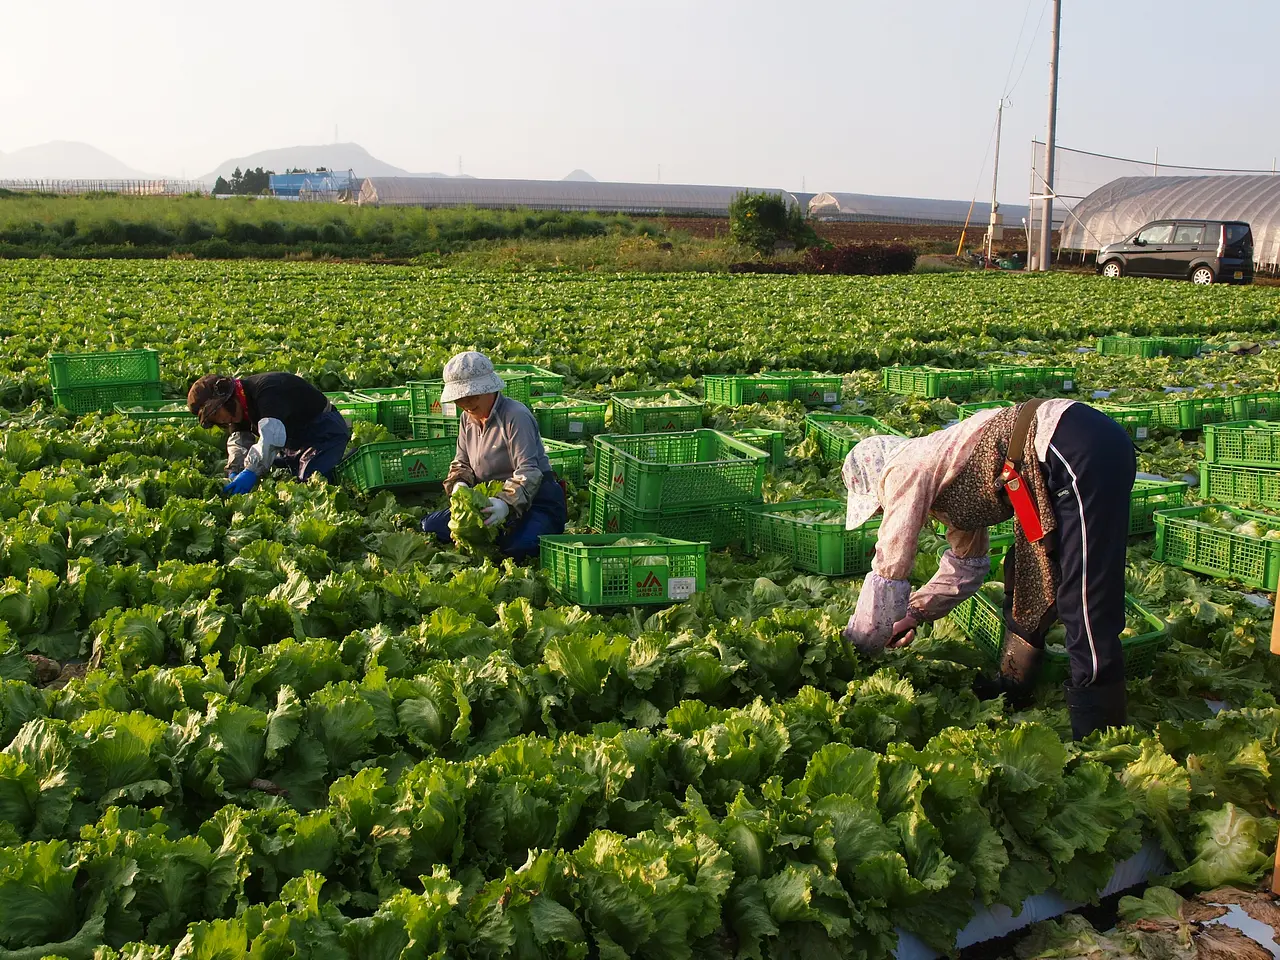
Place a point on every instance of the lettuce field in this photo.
(288, 725)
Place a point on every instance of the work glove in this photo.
(242, 482)
(496, 512)
(461, 484)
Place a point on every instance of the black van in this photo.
(1202, 251)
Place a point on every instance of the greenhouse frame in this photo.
(867, 208)
(1118, 209)
(632, 198)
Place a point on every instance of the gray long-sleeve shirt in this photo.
(507, 447)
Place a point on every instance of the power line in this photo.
(1031, 45)
(1017, 43)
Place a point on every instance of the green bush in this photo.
(762, 221)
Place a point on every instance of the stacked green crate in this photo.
(88, 382)
(1242, 463)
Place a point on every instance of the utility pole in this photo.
(1046, 222)
(995, 178)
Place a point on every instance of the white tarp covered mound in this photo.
(636, 198)
(1117, 209)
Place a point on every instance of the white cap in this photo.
(862, 470)
(469, 374)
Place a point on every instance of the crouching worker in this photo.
(498, 439)
(1063, 471)
(273, 419)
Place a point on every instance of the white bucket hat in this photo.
(469, 374)
(862, 470)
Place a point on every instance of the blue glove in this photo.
(242, 482)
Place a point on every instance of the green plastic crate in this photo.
(814, 389)
(1147, 497)
(433, 428)
(1180, 346)
(394, 409)
(1032, 379)
(979, 620)
(1195, 412)
(1144, 347)
(1184, 542)
(542, 382)
(155, 410)
(1245, 443)
(1161, 414)
(696, 468)
(835, 445)
(1256, 406)
(772, 442)
(629, 415)
(567, 460)
(824, 547)
(719, 525)
(934, 382)
(1240, 485)
(112, 367)
(424, 395)
(103, 397)
(1135, 420)
(398, 463)
(734, 390)
(582, 421)
(969, 409)
(593, 571)
(357, 411)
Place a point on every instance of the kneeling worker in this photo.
(498, 439)
(273, 419)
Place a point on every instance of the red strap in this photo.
(244, 405)
(1023, 506)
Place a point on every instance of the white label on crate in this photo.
(450, 409)
(829, 397)
(1142, 433)
(1068, 384)
(575, 426)
(681, 588)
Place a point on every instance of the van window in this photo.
(1236, 232)
(1159, 233)
(1189, 233)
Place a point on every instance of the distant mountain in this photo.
(65, 160)
(580, 176)
(335, 156)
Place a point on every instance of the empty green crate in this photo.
(814, 389)
(1161, 414)
(818, 546)
(1245, 443)
(1195, 412)
(581, 421)
(155, 410)
(394, 407)
(1135, 420)
(628, 412)
(934, 382)
(1256, 406)
(424, 395)
(103, 369)
(1144, 347)
(1240, 485)
(735, 390)
(772, 442)
(719, 526)
(1183, 541)
(398, 463)
(1147, 497)
(542, 382)
(104, 397)
(433, 428)
(592, 570)
(357, 411)
(967, 410)
(696, 468)
(1180, 346)
(825, 427)
(567, 460)
(1032, 379)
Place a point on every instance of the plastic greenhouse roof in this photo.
(866, 207)
(1116, 210)
(642, 198)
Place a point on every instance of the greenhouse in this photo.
(635, 198)
(874, 209)
(1118, 209)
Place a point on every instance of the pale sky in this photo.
(864, 96)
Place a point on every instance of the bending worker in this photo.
(273, 419)
(498, 439)
(1065, 471)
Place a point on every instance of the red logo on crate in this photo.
(651, 586)
(815, 394)
(763, 397)
(671, 425)
(619, 479)
(417, 469)
(436, 408)
(611, 524)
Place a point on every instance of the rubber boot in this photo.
(1096, 708)
(1019, 668)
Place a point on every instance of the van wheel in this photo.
(1111, 269)
(1202, 275)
